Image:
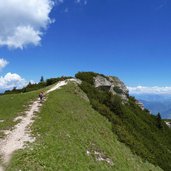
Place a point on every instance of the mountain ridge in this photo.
(83, 126)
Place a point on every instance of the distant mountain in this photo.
(156, 103)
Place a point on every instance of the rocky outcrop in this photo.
(168, 124)
(119, 87)
(141, 105)
(113, 84)
(100, 81)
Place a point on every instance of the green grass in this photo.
(66, 128)
(12, 106)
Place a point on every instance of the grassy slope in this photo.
(66, 128)
(146, 135)
(13, 105)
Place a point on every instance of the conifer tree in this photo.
(159, 121)
(42, 79)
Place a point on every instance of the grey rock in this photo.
(100, 81)
(168, 124)
(141, 105)
(115, 86)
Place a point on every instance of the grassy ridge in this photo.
(66, 128)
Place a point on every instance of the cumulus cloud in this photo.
(149, 90)
(3, 63)
(11, 80)
(23, 22)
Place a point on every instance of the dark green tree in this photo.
(159, 121)
(14, 89)
(29, 84)
(42, 79)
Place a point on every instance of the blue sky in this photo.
(127, 38)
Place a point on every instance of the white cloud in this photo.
(149, 90)
(3, 63)
(23, 22)
(11, 80)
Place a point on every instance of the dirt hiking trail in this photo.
(20, 135)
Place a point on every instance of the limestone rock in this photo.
(141, 105)
(101, 81)
(168, 124)
(113, 84)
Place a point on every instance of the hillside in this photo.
(94, 125)
(70, 135)
(145, 134)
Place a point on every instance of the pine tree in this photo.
(159, 121)
(41, 79)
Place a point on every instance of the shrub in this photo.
(86, 76)
(118, 90)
